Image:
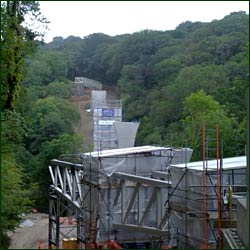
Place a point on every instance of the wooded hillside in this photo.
(154, 72)
(170, 81)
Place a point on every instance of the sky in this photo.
(82, 18)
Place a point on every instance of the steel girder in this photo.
(134, 204)
(71, 183)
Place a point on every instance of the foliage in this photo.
(12, 194)
(170, 81)
(51, 117)
(46, 67)
(200, 108)
(53, 149)
(19, 186)
(147, 139)
(60, 89)
(14, 199)
(16, 43)
(63, 145)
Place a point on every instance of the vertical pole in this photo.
(78, 227)
(168, 207)
(221, 170)
(57, 221)
(158, 207)
(109, 208)
(233, 180)
(218, 187)
(230, 204)
(204, 186)
(50, 220)
(135, 173)
(186, 194)
(123, 201)
(54, 222)
(73, 184)
(90, 199)
(248, 169)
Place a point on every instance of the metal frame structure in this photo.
(159, 229)
(64, 203)
(77, 189)
(211, 151)
(189, 215)
(104, 134)
(201, 203)
(105, 194)
(83, 83)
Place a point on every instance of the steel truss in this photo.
(137, 183)
(74, 191)
(65, 220)
(65, 200)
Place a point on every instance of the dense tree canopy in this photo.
(170, 81)
(34, 114)
(154, 71)
(16, 43)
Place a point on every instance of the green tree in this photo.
(61, 89)
(166, 71)
(46, 67)
(147, 133)
(169, 105)
(232, 94)
(131, 85)
(51, 117)
(14, 200)
(16, 43)
(54, 149)
(17, 40)
(200, 108)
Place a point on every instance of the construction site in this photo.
(119, 195)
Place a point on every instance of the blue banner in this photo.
(108, 112)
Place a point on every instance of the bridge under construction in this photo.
(146, 197)
(121, 196)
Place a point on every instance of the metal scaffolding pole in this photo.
(204, 189)
(54, 223)
(248, 168)
(218, 188)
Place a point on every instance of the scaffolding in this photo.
(83, 84)
(105, 113)
(202, 199)
(113, 195)
(148, 196)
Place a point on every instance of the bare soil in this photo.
(85, 126)
(27, 237)
(36, 229)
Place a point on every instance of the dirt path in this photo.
(34, 228)
(85, 126)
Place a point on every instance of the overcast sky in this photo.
(81, 18)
